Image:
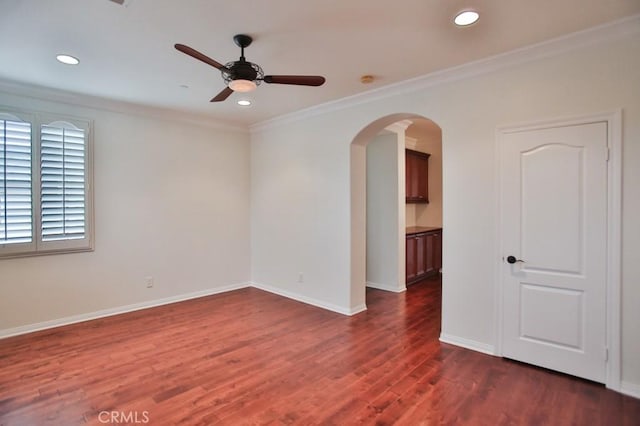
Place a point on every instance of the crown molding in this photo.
(607, 32)
(122, 107)
(411, 143)
(399, 126)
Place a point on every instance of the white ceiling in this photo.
(127, 53)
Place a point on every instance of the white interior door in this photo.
(554, 227)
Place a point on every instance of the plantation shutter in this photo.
(63, 182)
(16, 223)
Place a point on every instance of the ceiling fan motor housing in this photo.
(242, 70)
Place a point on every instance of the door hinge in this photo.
(606, 354)
(608, 153)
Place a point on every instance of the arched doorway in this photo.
(398, 212)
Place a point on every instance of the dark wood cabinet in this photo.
(416, 176)
(423, 253)
(411, 256)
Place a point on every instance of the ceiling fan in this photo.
(245, 76)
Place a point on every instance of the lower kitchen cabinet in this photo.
(423, 253)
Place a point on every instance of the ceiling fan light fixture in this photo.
(466, 17)
(242, 86)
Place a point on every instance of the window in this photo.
(45, 184)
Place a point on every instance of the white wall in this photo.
(383, 213)
(301, 199)
(171, 201)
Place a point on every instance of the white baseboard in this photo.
(310, 301)
(30, 328)
(357, 309)
(387, 287)
(468, 344)
(630, 389)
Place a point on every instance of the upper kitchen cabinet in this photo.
(417, 176)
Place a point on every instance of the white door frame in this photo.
(614, 226)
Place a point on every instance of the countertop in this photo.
(419, 229)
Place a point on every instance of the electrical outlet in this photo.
(300, 277)
(148, 281)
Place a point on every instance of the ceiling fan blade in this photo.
(301, 80)
(195, 54)
(222, 95)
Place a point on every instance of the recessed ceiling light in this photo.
(465, 18)
(68, 59)
(244, 102)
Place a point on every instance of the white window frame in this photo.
(37, 246)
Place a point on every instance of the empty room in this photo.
(417, 212)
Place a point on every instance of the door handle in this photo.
(512, 260)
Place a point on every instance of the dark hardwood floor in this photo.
(250, 357)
